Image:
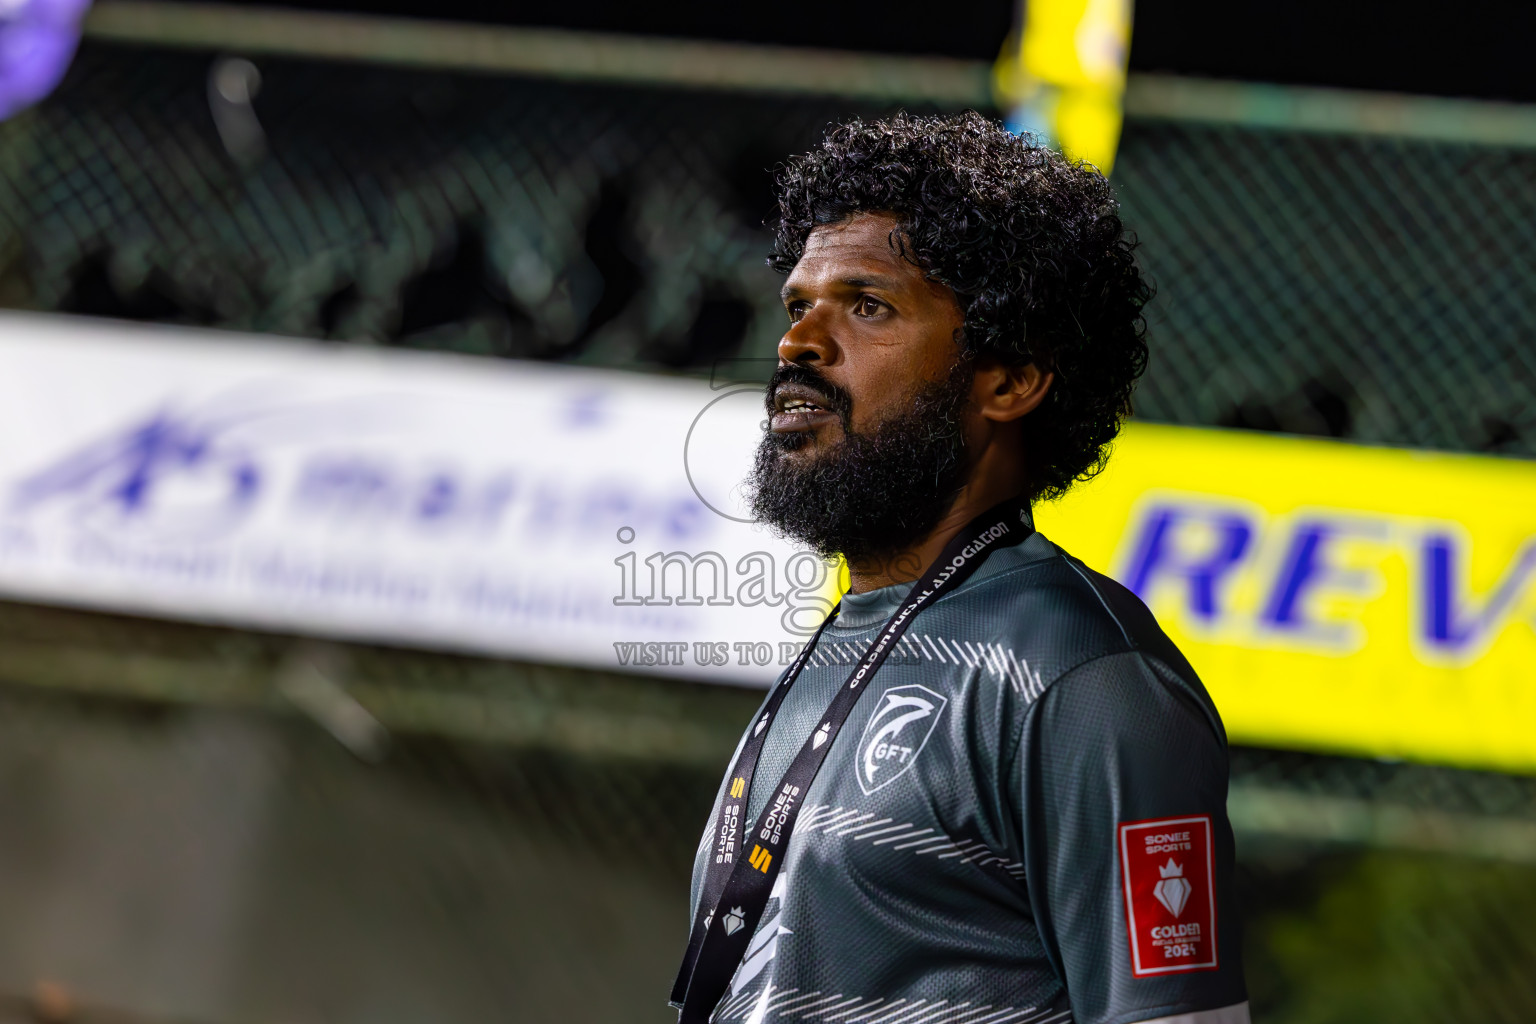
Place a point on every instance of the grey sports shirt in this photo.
(1023, 821)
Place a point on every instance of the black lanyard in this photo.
(741, 866)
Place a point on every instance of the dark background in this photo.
(1479, 48)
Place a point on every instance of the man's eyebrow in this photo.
(870, 281)
(860, 281)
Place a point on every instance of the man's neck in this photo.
(907, 564)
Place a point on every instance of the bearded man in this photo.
(1007, 803)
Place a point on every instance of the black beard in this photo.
(873, 494)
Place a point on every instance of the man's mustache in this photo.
(835, 399)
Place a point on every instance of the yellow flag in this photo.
(1062, 75)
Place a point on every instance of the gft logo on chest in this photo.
(897, 732)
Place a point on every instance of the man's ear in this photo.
(1004, 392)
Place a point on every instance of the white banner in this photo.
(539, 512)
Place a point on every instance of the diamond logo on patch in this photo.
(733, 920)
(1168, 870)
(1172, 889)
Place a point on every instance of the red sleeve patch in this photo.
(1170, 894)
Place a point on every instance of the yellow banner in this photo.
(1333, 597)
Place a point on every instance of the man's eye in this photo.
(867, 306)
(797, 311)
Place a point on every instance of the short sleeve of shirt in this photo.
(1120, 787)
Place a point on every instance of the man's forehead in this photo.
(863, 240)
(872, 232)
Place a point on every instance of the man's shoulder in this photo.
(1065, 614)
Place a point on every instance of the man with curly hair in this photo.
(991, 790)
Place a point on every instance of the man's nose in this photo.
(808, 340)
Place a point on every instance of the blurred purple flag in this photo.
(37, 40)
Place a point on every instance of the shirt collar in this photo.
(860, 611)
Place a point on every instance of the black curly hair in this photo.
(1030, 242)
